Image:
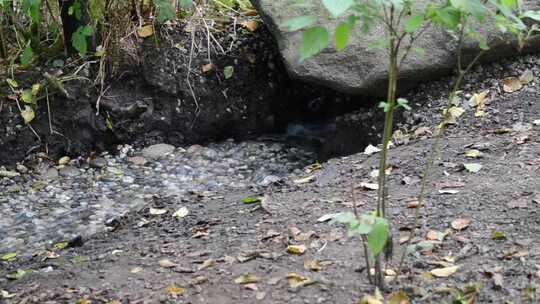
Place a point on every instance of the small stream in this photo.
(52, 203)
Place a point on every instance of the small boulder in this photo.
(157, 151)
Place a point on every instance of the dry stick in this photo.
(436, 144)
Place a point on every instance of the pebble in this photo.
(157, 151)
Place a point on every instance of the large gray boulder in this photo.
(361, 69)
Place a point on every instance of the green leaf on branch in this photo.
(534, 15)
(337, 7)
(32, 7)
(378, 236)
(27, 55)
(228, 71)
(342, 36)
(314, 40)
(78, 40)
(298, 23)
(404, 103)
(414, 23)
(385, 106)
(472, 7)
(27, 96)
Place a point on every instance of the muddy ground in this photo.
(494, 243)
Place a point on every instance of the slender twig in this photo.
(363, 236)
(438, 138)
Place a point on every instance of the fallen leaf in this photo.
(136, 269)
(312, 265)
(181, 213)
(503, 130)
(198, 280)
(422, 131)
(228, 71)
(377, 298)
(4, 294)
(444, 272)
(472, 167)
(175, 291)
(251, 200)
(8, 256)
(479, 101)
(251, 25)
(208, 67)
(247, 278)
(498, 235)
(166, 263)
(448, 191)
(145, 31)
(413, 204)
(156, 211)
(251, 286)
(28, 114)
(526, 77)
(399, 297)
(536, 122)
(326, 217)
(305, 180)
(461, 223)
(207, 264)
(434, 235)
(370, 149)
(296, 249)
(64, 160)
(473, 153)
(295, 280)
(19, 274)
(369, 186)
(512, 84)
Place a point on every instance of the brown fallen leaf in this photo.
(461, 223)
(208, 67)
(312, 265)
(512, 84)
(251, 25)
(444, 272)
(479, 101)
(296, 249)
(413, 204)
(145, 31)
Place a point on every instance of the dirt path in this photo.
(196, 259)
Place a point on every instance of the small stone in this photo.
(22, 168)
(98, 163)
(64, 160)
(50, 174)
(69, 171)
(137, 160)
(157, 151)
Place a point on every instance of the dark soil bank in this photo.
(154, 100)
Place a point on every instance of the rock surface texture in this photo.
(359, 69)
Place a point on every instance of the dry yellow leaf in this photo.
(398, 297)
(312, 265)
(295, 280)
(526, 77)
(174, 290)
(296, 249)
(473, 153)
(247, 278)
(207, 264)
(145, 31)
(444, 272)
(28, 114)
